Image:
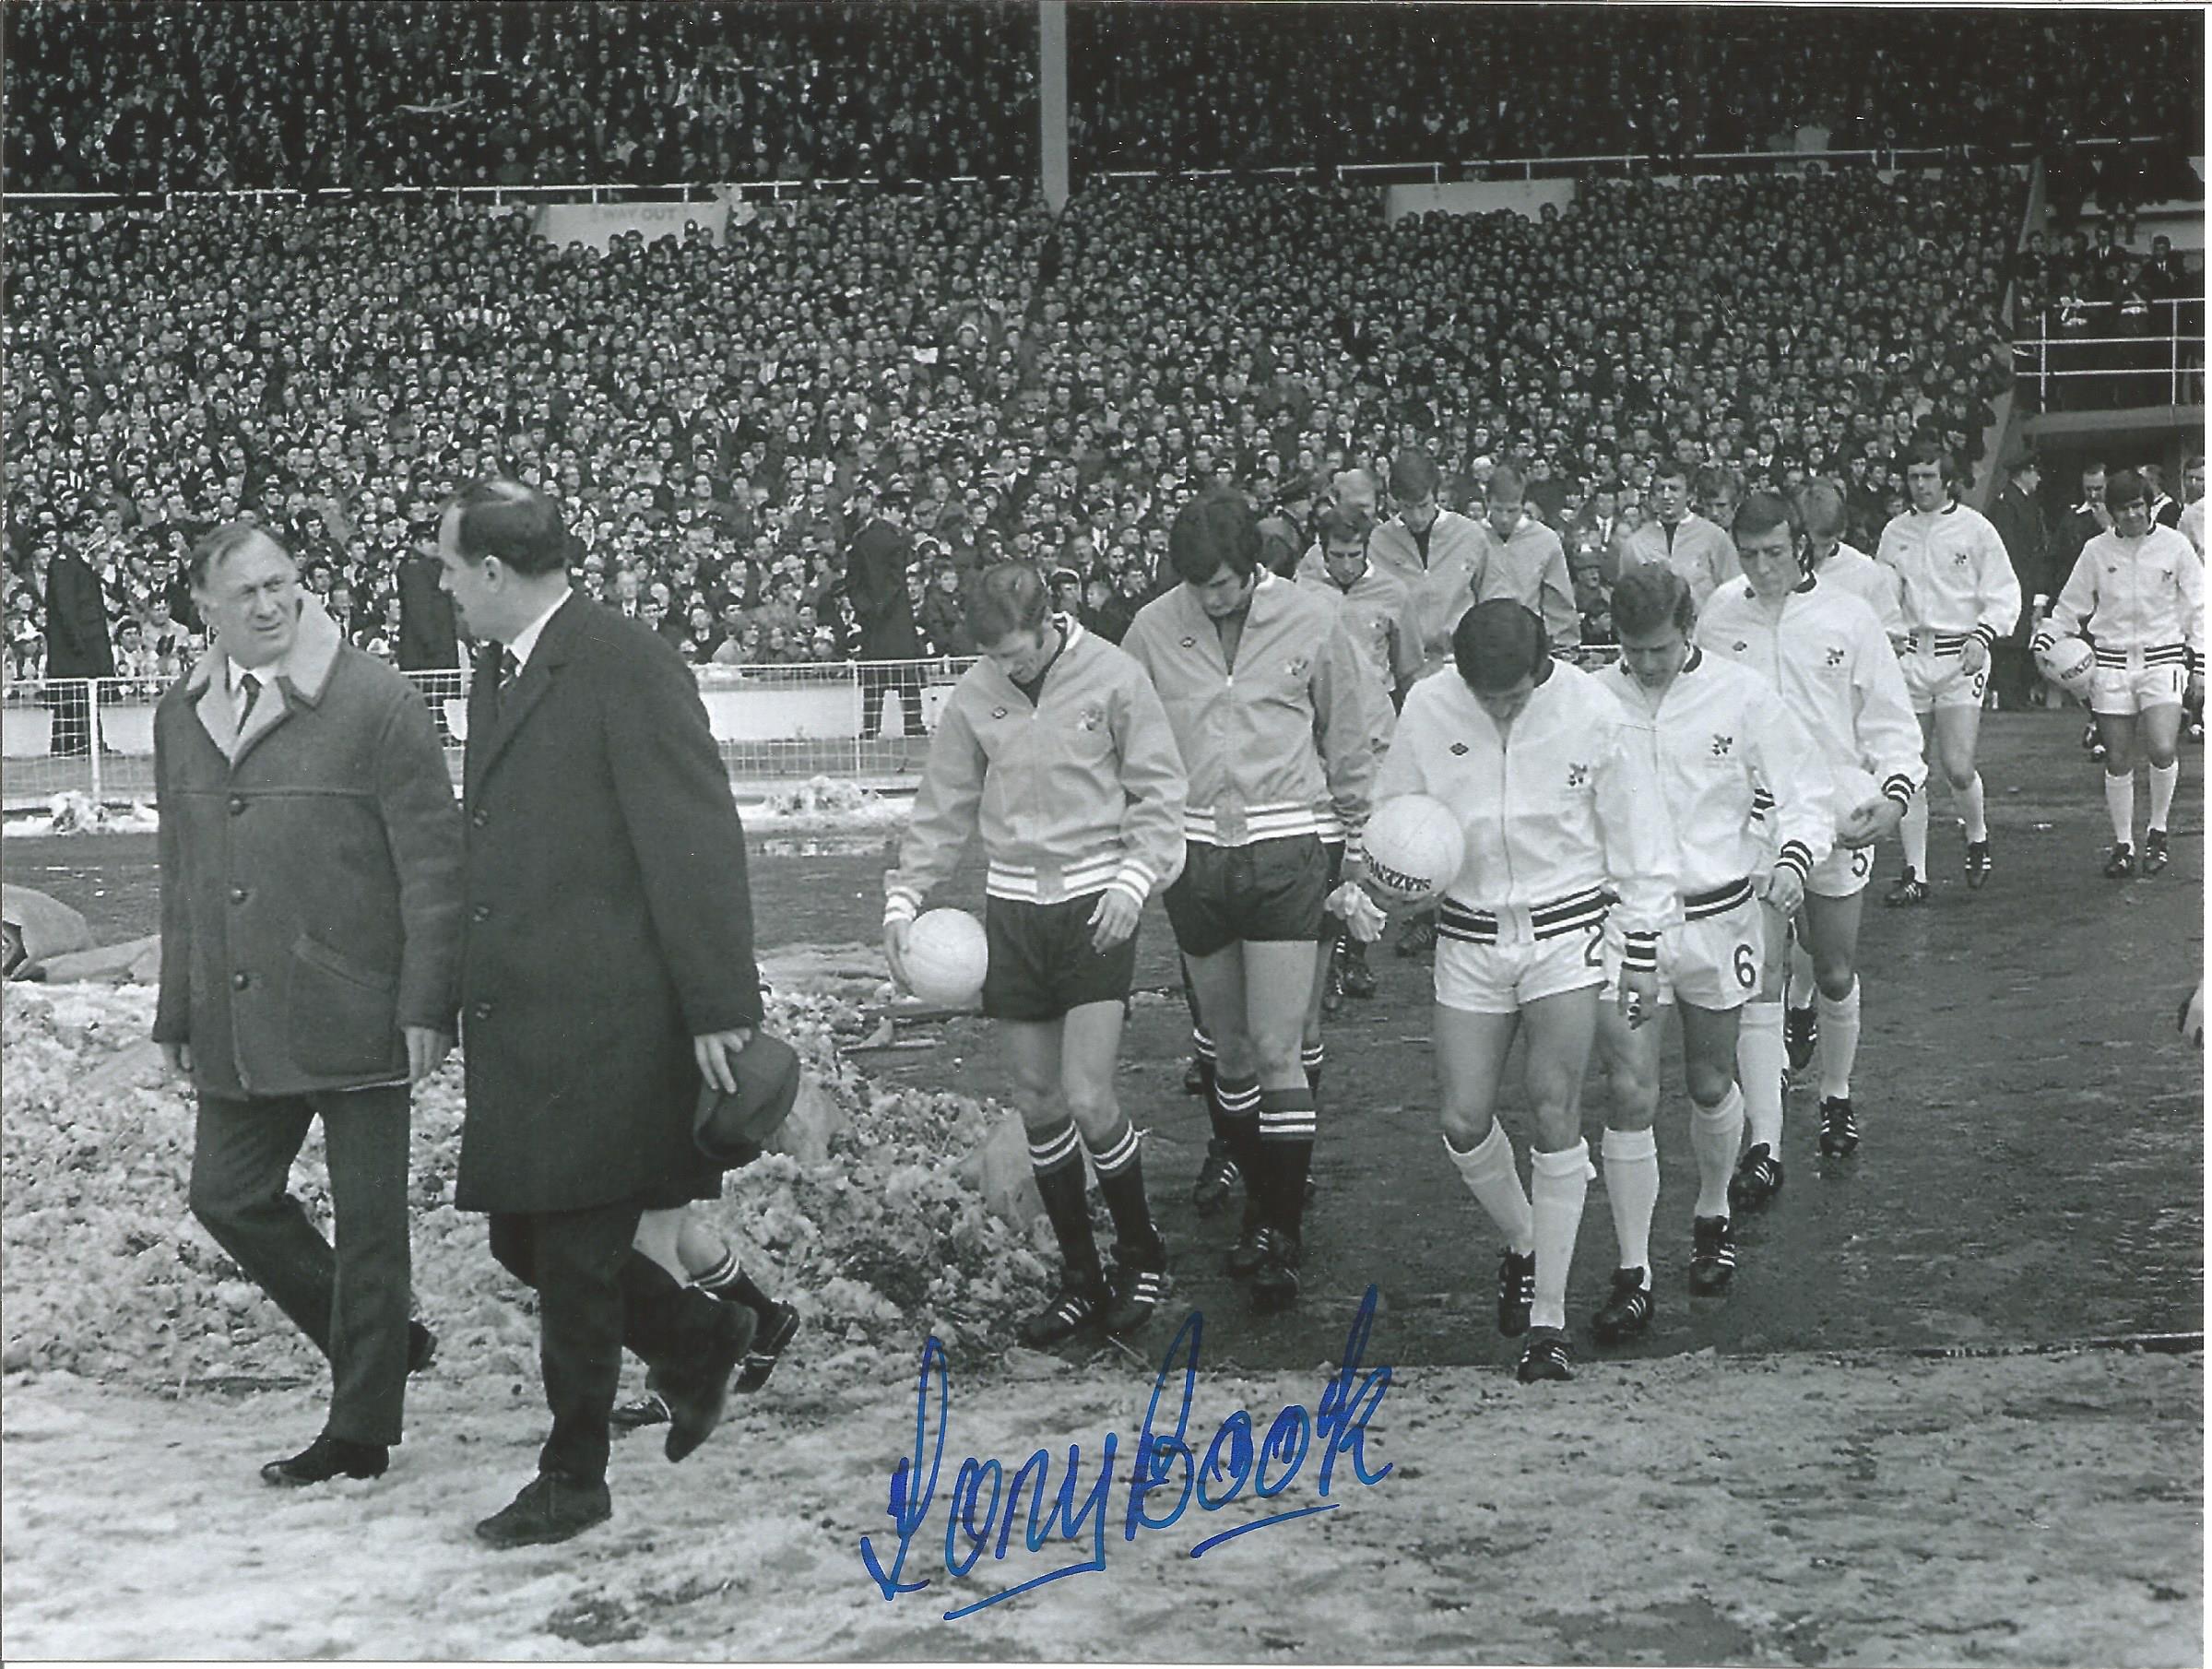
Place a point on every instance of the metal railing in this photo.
(2114, 353)
(1426, 170)
(862, 721)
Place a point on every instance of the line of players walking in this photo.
(1679, 828)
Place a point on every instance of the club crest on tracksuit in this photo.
(1577, 776)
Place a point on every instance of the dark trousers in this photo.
(2012, 674)
(73, 736)
(353, 1300)
(595, 1296)
(875, 679)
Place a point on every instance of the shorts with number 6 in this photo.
(1043, 962)
(1269, 891)
(2137, 686)
(1936, 677)
(1708, 963)
(1505, 978)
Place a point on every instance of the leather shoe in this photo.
(326, 1457)
(421, 1348)
(696, 1389)
(551, 1508)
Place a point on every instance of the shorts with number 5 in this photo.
(1711, 964)
(1843, 873)
(1505, 978)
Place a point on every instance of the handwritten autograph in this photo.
(984, 1507)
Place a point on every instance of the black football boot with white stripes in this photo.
(1713, 1255)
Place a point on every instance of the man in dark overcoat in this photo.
(2018, 519)
(607, 970)
(78, 646)
(311, 925)
(875, 582)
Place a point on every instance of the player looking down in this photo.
(1263, 689)
(1054, 747)
(1826, 654)
(1720, 748)
(1532, 756)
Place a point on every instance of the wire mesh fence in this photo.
(863, 721)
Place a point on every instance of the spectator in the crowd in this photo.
(2018, 519)
(78, 646)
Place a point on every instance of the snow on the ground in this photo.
(104, 1272)
(1804, 1511)
(77, 812)
(2043, 1510)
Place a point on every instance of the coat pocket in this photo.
(343, 1017)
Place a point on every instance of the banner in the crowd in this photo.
(600, 223)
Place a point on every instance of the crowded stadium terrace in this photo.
(1220, 299)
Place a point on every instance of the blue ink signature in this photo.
(984, 1504)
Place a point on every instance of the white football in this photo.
(1415, 847)
(2069, 663)
(946, 957)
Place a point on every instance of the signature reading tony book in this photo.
(1167, 1476)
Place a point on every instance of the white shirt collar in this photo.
(526, 640)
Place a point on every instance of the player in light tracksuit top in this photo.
(2138, 591)
(1264, 689)
(1441, 556)
(1054, 748)
(1379, 613)
(1720, 748)
(1826, 654)
(1533, 758)
(1820, 509)
(1960, 596)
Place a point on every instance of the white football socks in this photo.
(1974, 809)
(2164, 779)
(1913, 832)
(1560, 1185)
(1632, 1190)
(2119, 805)
(1839, 1043)
(1715, 1135)
(1759, 1057)
(1488, 1170)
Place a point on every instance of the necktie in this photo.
(509, 670)
(249, 687)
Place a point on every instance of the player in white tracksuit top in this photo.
(1532, 757)
(1820, 508)
(1746, 805)
(1960, 594)
(2137, 591)
(1825, 654)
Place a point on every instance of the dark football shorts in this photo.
(1332, 923)
(1269, 891)
(1042, 962)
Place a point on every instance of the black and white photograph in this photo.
(1102, 831)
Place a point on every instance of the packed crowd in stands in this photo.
(1233, 87)
(1006, 385)
(166, 95)
(1020, 389)
(176, 95)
